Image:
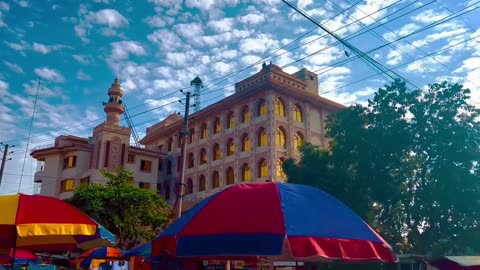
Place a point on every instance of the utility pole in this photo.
(4, 159)
(183, 158)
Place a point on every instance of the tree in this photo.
(408, 163)
(127, 211)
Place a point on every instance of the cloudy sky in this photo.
(155, 47)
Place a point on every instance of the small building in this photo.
(73, 161)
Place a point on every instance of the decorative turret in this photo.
(114, 107)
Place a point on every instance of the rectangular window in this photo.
(69, 162)
(178, 163)
(160, 165)
(146, 165)
(107, 154)
(122, 158)
(131, 158)
(130, 180)
(67, 185)
(85, 181)
(144, 185)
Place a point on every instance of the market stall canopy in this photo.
(277, 220)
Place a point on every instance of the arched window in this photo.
(297, 114)
(202, 183)
(245, 115)
(169, 167)
(190, 160)
(262, 138)
(167, 192)
(230, 147)
(191, 135)
(246, 143)
(216, 152)
(203, 156)
(280, 137)
(189, 186)
(298, 140)
(203, 131)
(246, 173)
(171, 146)
(179, 139)
(279, 107)
(215, 180)
(230, 179)
(280, 172)
(262, 107)
(262, 168)
(231, 120)
(217, 126)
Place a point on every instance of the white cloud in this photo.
(49, 74)
(222, 25)
(110, 17)
(83, 59)
(104, 1)
(23, 3)
(430, 16)
(14, 67)
(87, 19)
(122, 49)
(260, 44)
(252, 19)
(403, 31)
(165, 40)
(3, 88)
(83, 76)
(46, 49)
(162, 106)
(223, 68)
(43, 91)
(189, 30)
(4, 8)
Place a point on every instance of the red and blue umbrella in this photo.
(144, 250)
(102, 238)
(276, 220)
(106, 253)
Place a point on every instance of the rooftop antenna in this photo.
(197, 85)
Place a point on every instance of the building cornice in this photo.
(261, 85)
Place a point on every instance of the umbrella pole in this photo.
(14, 249)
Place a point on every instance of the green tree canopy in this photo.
(408, 163)
(127, 211)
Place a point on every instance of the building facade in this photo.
(73, 161)
(244, 137)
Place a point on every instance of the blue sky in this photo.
(156, 47)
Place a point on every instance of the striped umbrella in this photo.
(101, 253)
(276, 220)
(41, 223)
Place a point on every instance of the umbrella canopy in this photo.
(21, 256)
(36, 222)
(86, 257)
(456, 262)
(144, 250)
(103, 238)
(280, 221)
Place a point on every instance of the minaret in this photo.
(114, 107)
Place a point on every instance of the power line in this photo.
(231, 74)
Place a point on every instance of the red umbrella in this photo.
(35, 222)
(20, 256)
(276, 220)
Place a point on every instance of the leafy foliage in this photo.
(127, 211)
(408, 163)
